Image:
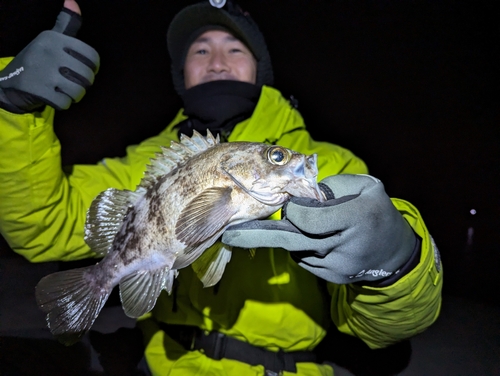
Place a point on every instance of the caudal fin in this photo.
(72, 300)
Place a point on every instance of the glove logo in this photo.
(373, 272)
(17, 72)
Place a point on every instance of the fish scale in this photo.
(190, 193)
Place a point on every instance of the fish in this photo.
(190, 193)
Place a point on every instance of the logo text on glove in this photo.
(372, 272)
(17, 72)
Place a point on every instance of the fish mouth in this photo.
(305, 188)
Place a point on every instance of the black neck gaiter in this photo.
(218, 106)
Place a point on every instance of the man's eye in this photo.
(201, 52)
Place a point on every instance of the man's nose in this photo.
(218, 62)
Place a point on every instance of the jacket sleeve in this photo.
(42, 208)
(383, 316)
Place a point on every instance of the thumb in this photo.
(69, 19)
(72, 5)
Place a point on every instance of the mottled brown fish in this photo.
(190, 193)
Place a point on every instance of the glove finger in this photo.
(73, 90)
(68, 22)
(346, 184)
(268, 233)
(312, 203)
(320, 220)
(323, 270)
(58, 100)
(77, 72)
(61, 97)
(77, 50)
(273, 234)
(87, 55)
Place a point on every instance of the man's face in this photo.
(217, 55)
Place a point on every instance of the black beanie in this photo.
(195, 19)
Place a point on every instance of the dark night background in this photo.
(409, 86)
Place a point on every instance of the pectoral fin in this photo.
(205, 216)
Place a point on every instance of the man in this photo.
(360, 262)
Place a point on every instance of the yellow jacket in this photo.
(268, 300)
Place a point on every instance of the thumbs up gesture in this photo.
(55, 69)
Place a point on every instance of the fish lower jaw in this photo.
(276, 199)
(307, 188)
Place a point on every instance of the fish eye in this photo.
(278, 155)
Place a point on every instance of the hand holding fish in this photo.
(356, 235)
(55, 69)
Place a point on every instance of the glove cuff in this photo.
(7, 105)
(407, 267)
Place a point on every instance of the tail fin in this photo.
(72, 300)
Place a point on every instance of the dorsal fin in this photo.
(178, 153)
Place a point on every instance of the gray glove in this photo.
(356, 236)
(54, 69)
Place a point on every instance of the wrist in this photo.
(7, 105)
(19, 102)
(406, 268)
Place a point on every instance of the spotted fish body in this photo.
(190, 194)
